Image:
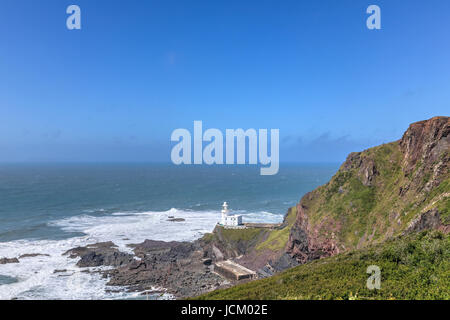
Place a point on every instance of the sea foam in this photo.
(37, 278)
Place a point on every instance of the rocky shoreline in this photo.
(176, 269)
(182, 269)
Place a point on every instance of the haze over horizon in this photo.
(116, 89)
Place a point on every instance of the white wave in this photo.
(261, 217)
(125, 228)
(36, 275)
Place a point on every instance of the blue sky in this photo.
(115, 90)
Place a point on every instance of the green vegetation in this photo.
(444, 209)
(361, 211)
(241, 240)
(440, 199)
(278, 239)
(233, 236)
(416, 266)
(235, 242)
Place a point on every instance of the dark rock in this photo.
(427, 220)
(179, 267)
(425, 141)
(104, 258)
(176, 219)
(60, 271)
(366, 167)
(100, 254)
(152, 246)
(286, 261)
(77, 252)
(8, 260)
(32, 255)
(368, 172)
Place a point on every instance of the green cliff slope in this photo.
(378, 194)
(370, 212)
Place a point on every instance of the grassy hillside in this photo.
(392, 191)
(371, 198)
(416, 266)
(277, 239)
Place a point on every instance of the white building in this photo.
(230, 220)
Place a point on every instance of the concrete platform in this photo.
(233, 271)
(263, 225)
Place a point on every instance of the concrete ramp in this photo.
(233, 271)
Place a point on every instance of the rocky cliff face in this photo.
(425, 146)
(379, 193)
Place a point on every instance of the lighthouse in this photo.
(230, 221)
(224, 213)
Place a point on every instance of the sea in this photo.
(47, 209)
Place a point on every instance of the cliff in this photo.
(377, 194)
(387, 206)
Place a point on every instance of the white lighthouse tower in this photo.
(230, 221)
(224, 213)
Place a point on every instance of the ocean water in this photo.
(48, 209)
